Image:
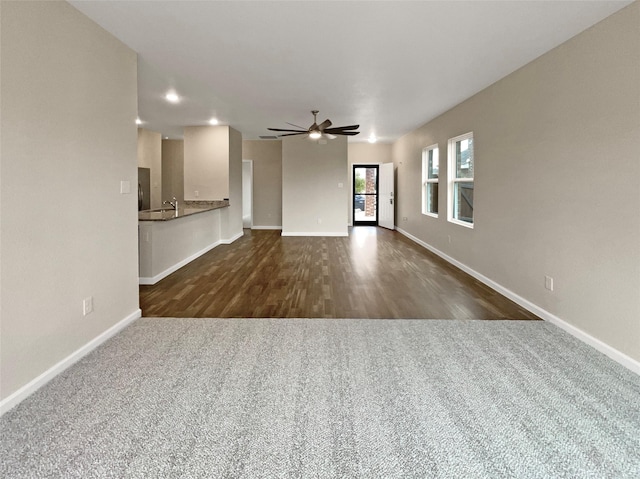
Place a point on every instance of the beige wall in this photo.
(231, 217)
(267, 181)
(206, 162)
(267, 175)
(173, 169)
(313, 203)
(365, 153)
(150, 156)
(213, 167)
(372, 153)
(556, 182)
(69, 104)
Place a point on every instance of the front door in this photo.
(365, 195)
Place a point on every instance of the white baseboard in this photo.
(233, 238)
(254, 227)
(312, 233)
(154, 279)
(604, 348)
(32, 386)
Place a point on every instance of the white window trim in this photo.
(451, 177)
(426, 179)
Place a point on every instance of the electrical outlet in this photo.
(87, 305)
(196, 194)
(404, 218)
(449, 239)
(319, 221)
(548, 283)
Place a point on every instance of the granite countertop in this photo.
(186, 208)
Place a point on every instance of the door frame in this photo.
(353, 193)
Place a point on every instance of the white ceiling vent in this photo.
(268, 137)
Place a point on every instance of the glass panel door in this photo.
(365, 195)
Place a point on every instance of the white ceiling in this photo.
(389, 66)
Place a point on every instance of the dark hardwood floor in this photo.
(373, 273)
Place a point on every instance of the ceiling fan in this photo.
(316, 131)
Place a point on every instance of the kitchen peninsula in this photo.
(169, 239)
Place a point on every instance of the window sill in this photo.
(461, 223)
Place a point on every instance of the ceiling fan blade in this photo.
(288, 131)
(315, 131)
(342, 128)
(324, 124)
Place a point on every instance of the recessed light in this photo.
(213, 121)
(138, 121)
(172, 97)
(372, 139)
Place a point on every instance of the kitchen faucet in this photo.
(174, 204)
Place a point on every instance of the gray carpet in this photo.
(280, 398)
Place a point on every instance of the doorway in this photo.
(365, 195)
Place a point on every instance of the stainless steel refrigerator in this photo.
(144, 189)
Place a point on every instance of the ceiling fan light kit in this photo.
(316, 132)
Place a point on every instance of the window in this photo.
(430, 169)
(460, 173)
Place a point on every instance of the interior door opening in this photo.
(365, 195)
